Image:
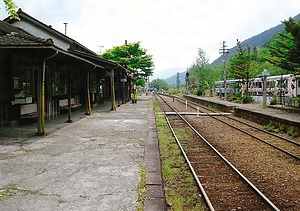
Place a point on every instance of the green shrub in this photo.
(199, 92)
(296, 99)
(174, 91)
(273, 101)
(282, 128)
(235, 97)
(292, 133)
(270, 127)
(247, 99)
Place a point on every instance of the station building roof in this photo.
(32, 33)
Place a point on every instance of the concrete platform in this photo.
(93, 163)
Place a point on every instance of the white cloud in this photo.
(171, 30)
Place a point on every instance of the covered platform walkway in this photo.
(94, 163)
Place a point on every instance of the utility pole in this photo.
(224, 51)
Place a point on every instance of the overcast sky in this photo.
(171, 30)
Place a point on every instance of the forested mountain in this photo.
(258, 41)
(172, 80)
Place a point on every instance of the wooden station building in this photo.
(43, 72)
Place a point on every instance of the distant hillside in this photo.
(259, 40)
(172, 80)
(162, 74)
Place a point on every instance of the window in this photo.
(59, 83)
(27, 82)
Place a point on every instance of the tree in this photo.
(159, 84)
(133, 58)
(285, 47)
(240, 63)
(261, 63)
(11, 7)
(201, 75)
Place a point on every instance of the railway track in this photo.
(222, 185)
(284, 145)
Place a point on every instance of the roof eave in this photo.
(54, 49)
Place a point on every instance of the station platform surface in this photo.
(94, 163)
(280, 111)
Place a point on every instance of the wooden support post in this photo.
(112, 83)
(69, 98)
(39, 103)
(88, 100)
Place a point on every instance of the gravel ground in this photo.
(275, 174)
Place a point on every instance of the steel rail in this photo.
(268, 201)
(268, 132)
(243, 131)
(204, 194)
(266, 142)
(263, 130)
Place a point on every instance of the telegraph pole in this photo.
(224, 51)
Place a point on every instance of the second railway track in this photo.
(225, 187)
(285, 145)
(206, 166)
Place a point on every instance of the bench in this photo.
(63, 104)
(29, 112)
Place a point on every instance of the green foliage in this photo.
(273, 101)
(285, 47)
(280, 56)
(258, 62)
(261, 63)
(179, 185)
(199, 91)
(247, 99)
(140, 82)
(292, 133)
(141, 190)
(242, 63)
(159, 84)
(282, 128)
(237, 97)
(133, 58)
(175, 91)
(296, 99)
(11, 7)
(201, 74)
(270, 127)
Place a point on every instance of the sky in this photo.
(170, 30)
